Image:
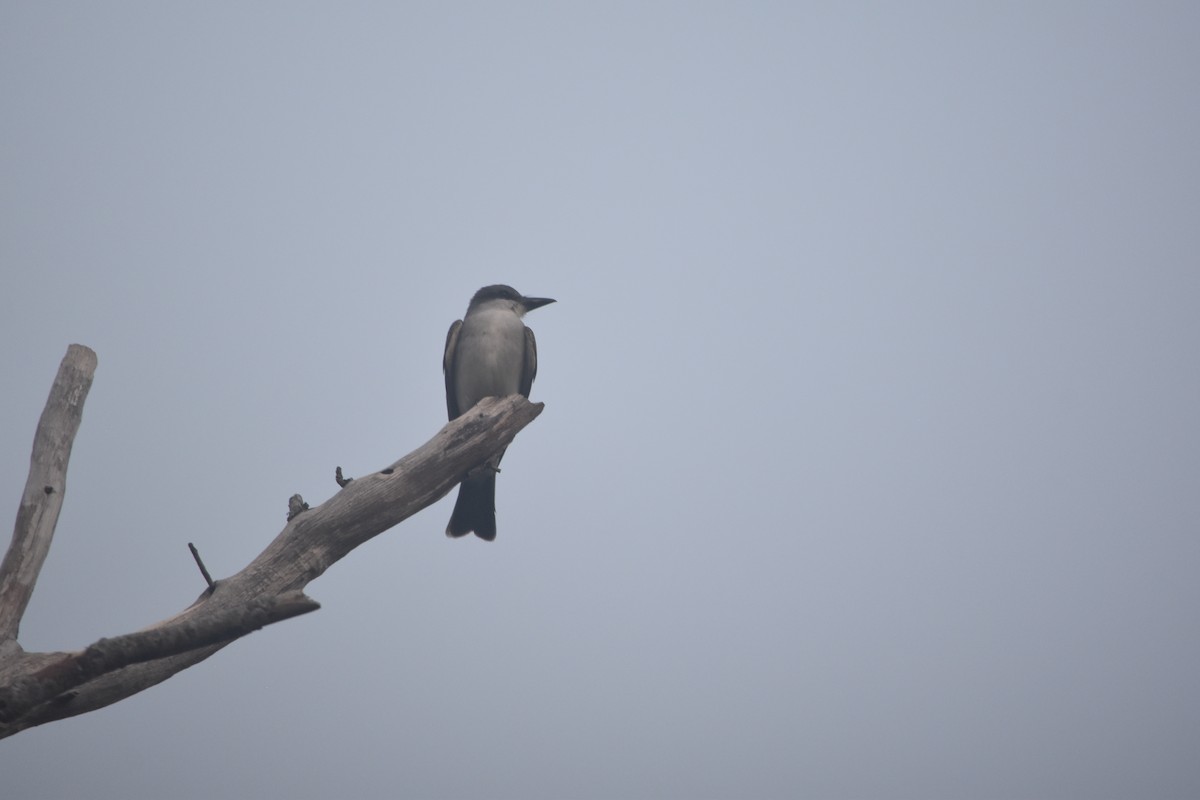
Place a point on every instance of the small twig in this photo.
(491, 465)
(342, 482)
(200, 564)
(296, 506)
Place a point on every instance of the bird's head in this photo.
(499, 293)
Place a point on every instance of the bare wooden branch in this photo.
(36, 688)
(108, 655)
(46, 487)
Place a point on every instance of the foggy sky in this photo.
(870, 463)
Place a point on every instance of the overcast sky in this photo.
(870, 464)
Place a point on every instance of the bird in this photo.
(490, 352)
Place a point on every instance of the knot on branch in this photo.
(296, 507)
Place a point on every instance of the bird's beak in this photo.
(536, 302)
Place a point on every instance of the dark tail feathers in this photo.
(475, 509)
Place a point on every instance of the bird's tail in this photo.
(475, 509)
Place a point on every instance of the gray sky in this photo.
(870, 464)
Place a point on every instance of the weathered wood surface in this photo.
(36, 688)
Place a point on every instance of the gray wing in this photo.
(529, 371)
(448, 368)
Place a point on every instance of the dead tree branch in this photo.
(46, 486)
(36, 688)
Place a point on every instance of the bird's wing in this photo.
(448, 368)
(529, 370)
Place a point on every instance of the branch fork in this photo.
(36, 688)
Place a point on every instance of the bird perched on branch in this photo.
(490, 352)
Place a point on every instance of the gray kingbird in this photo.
(489, 353)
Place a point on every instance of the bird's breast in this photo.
(490, 356)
